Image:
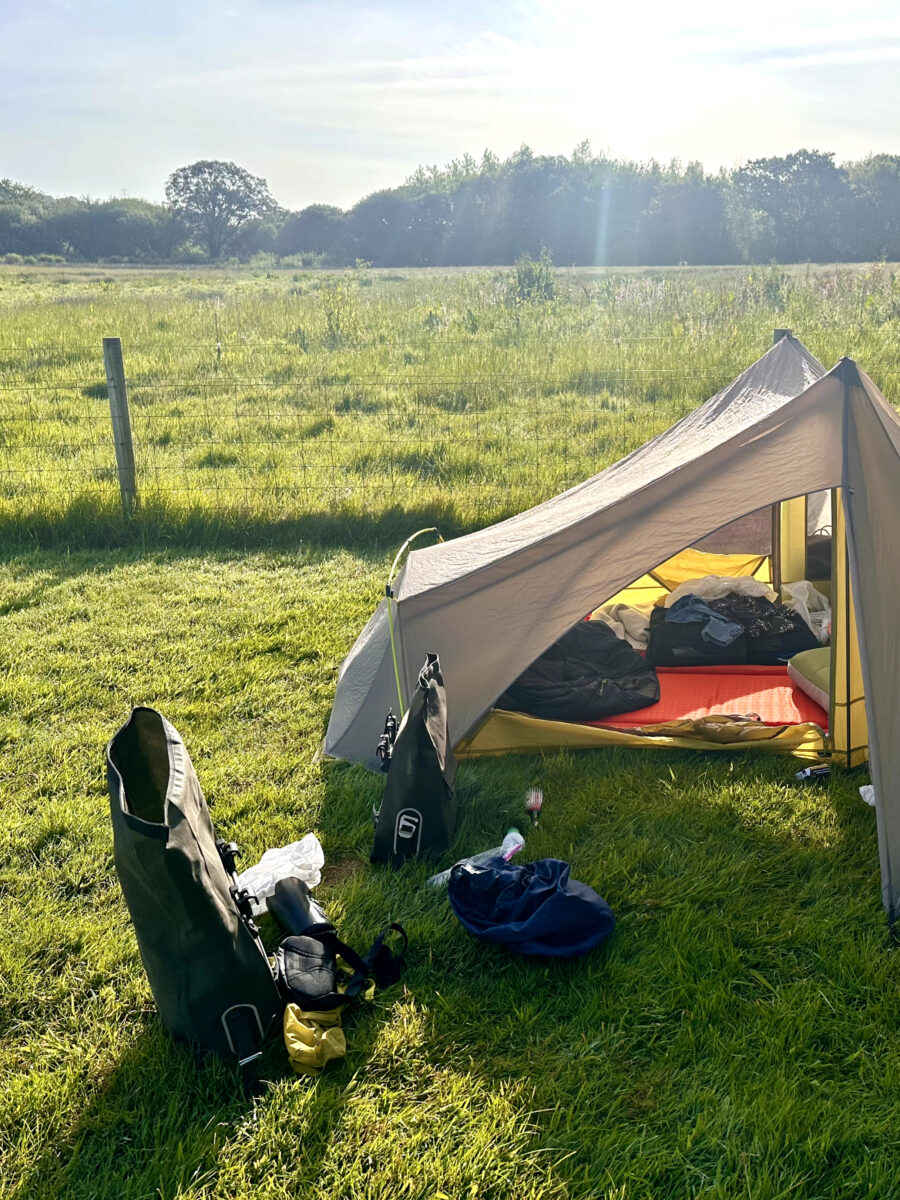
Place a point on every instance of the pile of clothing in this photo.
(631, 621)
(717, 621)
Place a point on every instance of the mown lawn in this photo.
(738, 1035)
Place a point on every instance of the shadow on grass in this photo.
(719, 911)
(157, 1124)
(95, 523)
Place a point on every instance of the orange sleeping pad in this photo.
(699, 691)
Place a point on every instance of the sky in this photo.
(330, 101)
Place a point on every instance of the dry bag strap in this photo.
(385, 965)
(378, 962)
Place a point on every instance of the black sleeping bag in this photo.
(585, 676)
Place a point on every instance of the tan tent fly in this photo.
(780, 438)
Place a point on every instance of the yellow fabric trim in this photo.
(848, 725)
(514, 733)
(792, 534)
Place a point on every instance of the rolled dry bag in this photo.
(418, 809)
(208, 971)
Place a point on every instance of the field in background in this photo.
(738, 1036)
(461, 395)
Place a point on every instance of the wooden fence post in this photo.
(121, 421)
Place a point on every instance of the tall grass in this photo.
(263, 398)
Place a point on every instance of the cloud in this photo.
(332, 101)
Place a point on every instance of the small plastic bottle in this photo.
(511, 844)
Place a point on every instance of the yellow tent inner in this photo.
(504, 732)
(849, 731)
(692, 564)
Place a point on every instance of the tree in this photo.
(875, 184)
(377, 228)
(687, 221)
(22, 209)
(123, 228)
(216, 199)
(806, 196)
(314, 230)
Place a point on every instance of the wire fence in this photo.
(300, 438)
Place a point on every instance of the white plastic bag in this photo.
(867, 791)
(713, 587)
(302, 860)
(811, 605)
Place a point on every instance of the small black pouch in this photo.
(306, 962)
(307, 969)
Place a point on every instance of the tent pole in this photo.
(389, 592)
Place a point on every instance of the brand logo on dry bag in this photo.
(409, 829)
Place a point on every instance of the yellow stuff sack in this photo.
(313, 1038)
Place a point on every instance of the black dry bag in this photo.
(418, 809)
(208, 971)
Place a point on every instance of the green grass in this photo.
(737, 1036)
(259, 398)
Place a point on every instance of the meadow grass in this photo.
(259, 397)
(738, 1034)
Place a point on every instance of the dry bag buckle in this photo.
(229, 854)
(385, 747)
(242, 1040)
(243, 902)
(242, 897)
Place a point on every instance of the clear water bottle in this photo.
(511, 844)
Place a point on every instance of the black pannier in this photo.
(681, 644)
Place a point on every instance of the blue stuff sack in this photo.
(533, 908)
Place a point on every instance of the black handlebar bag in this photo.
(208, 971)
(418, 809)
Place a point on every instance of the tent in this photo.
(777, 438)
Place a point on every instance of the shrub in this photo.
(532, 282)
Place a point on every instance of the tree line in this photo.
(585, 209)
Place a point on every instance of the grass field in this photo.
(378, 395)
(738, 1036)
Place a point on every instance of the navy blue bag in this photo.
(533, 908)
